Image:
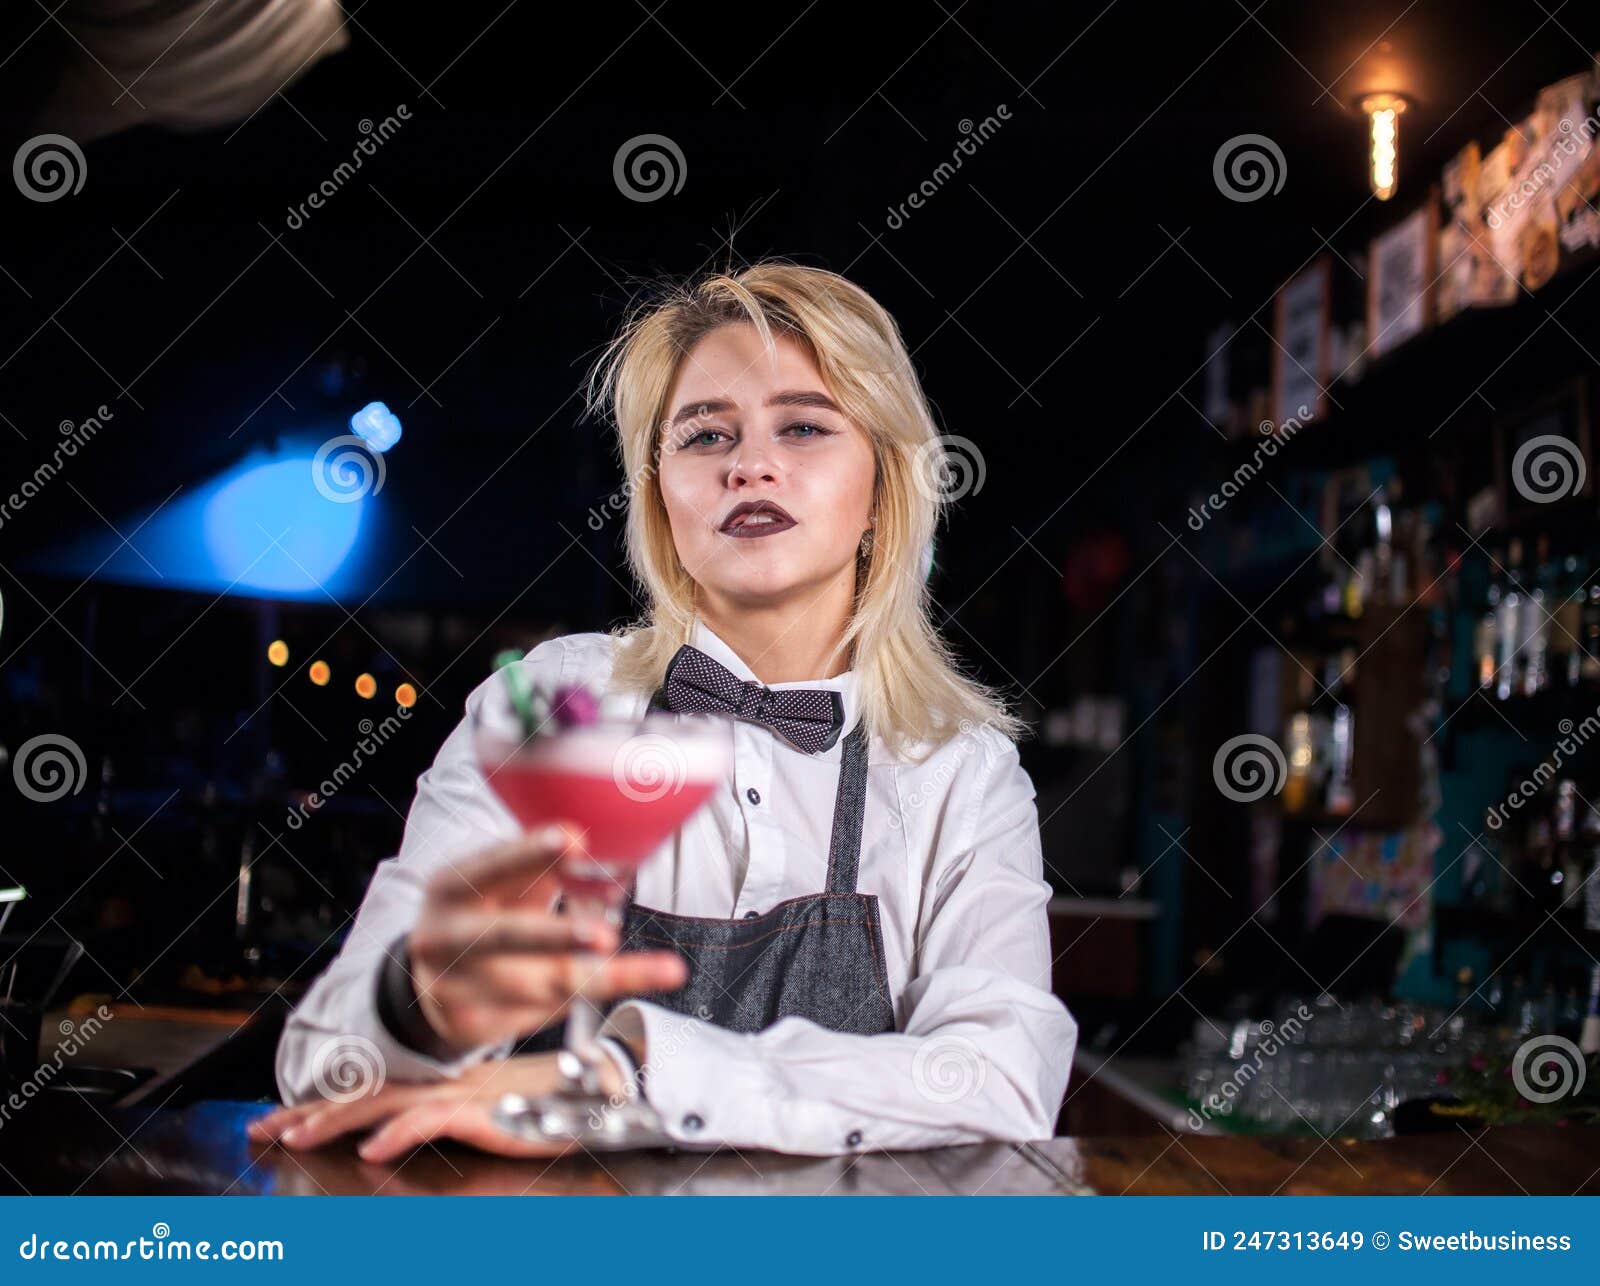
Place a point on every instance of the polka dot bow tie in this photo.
(809, 719)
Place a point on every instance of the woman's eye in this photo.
(806, 429)
(704, 438)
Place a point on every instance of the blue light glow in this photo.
(377, 426)
(270, 529)
(260, 528)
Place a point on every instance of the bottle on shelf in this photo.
(1566, 630)
(1301, 749)
(1408, 564)
(1534, 622)
(1485, 646)
(1524, 1008)
(1549, 1007)
(1539, 865)
(1477, 887)
(1380, 580)
(1589, 1037)
(1564, 873)
(1508, 628)
(1589, 662)
(1338, 688)
(1589, 831)
(1494, 998)
(1569, 1014)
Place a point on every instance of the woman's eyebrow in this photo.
(804, 397)
(788, 397)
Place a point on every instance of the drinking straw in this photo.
(10, 897)
(522, 696)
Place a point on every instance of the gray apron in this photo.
(819, 956)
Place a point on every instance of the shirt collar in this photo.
(846, 684)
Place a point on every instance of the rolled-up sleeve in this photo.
(984, 1050)
(336, 1034)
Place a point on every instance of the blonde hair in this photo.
(911, 688)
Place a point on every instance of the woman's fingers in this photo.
(465, 1119)
(307, 1124)
(274, 1123)
(623, 975)
(409, 1129)
(334, 1119)
(453, 937)
(521, 868)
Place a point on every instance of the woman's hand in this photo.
(403, 1117)
(493, 961)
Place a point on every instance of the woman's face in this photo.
(768, 485)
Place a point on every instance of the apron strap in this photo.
(849, 811)
(849, 805)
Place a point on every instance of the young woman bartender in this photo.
(848, 949)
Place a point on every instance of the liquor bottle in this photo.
(1566, 631)
(1535, 620)
(1569, 1016)
(1525, 1009)
(1569, 850)
(1589, 1040)
(1475, 886)
(1539, 865)
(1301, 750)
(1339, 686)
(1356, 583)
(1359, 540)
(1508, 627)
(1494, 999)
(1406, 563)
(1589, 662)
(1333, 591)
(1590, 831)
(1380, 580)
(1485, 640)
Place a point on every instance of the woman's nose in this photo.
(752, 465)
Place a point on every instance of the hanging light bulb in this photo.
(1383, 141)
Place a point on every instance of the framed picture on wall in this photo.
(1301, 357)
(1400, 280)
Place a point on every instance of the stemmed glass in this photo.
(628, 783)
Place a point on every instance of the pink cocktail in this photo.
(627, 785)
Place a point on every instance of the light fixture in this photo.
(319, 673)
(1383, 141)
(366, 686)
(405, 696)
(278, 652)
(377, 426)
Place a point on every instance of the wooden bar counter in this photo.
(61, 1144)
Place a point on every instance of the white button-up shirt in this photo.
(950, 848)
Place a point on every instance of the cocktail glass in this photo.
(628, 784)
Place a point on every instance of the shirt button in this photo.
(692, 1122)
(853, 1139)
(753, 795)
(751, 915)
